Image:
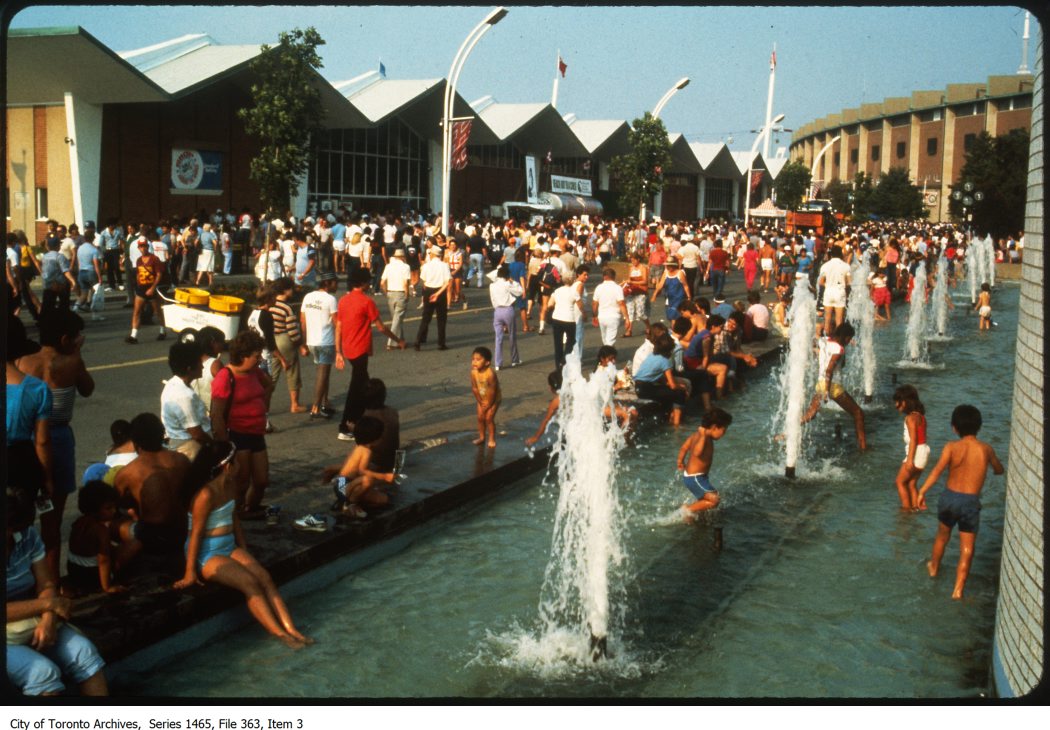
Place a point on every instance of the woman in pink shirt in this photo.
(657, 259)
(750, 258)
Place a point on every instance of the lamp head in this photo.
(497, 15)
(682, 84)
(778, 119)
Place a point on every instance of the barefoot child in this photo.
(485, 384)
(354, 483)
(967, 461)
(984, 307)
(554, 382)
(695, 457)
(626, 417)
(916, 450)
(832, 357)
(92, 560)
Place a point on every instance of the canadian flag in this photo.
(460, 135)
(562, 67)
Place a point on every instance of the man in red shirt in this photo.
(353, 343)
(718, 262)
(148, 271)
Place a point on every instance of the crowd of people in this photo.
(172, 491)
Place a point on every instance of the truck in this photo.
(815, 215)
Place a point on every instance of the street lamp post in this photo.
(682, 83)
(967, 196)
(816, 160)
(450, 97)
(751, 161)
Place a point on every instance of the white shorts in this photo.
(985, 311)
(339, 246)
(206, 261)
(835, 296)
(767, 264)
(922, 455)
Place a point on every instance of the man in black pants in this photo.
(436, 277)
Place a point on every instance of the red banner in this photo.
(756, 178)
(562, 67)
(460, 135)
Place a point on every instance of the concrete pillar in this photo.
(434, 150)
(863, 153)
(736, 198)
(84, 129)
(886, 153)
(1017, 649)
(701, 195)
(658, 204)
(297, 202)
(991, 116)
(913, 148)
(940, 213)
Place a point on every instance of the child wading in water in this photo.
(832, 357)
(554, 382)
(485, 384)
(984, 307)
(695, 457)
(916, 450)
(967, 461)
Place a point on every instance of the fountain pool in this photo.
(818, 591)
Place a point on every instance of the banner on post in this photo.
(195, 172)
(460, 135)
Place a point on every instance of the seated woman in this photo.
(40, 648)
(215, 548)
(655, 380)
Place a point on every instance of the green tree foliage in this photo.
(863, 188)
(998, 168)
(285, 114)
(792, 184)
(891, 196)
(639, 174)
(838, 193)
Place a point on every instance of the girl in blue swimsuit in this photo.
(215, 548)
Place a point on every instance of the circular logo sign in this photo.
(187, 169)
(931, 198)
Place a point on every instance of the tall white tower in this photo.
(1023, 68)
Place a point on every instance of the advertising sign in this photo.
(195, 172)
(570, 185)
(532, 190)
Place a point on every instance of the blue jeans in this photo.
(227, 261)
(718, 281)
(477, 264)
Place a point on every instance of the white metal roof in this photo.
(379, 100)
(506, 119)
(593, 133)
(188, 70)
(706, 152)
(742, 162)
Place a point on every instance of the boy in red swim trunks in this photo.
(967, 461)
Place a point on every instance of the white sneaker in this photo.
(311, 523)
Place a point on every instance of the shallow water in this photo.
(819, 591)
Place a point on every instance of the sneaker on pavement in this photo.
(131, 340)
(311, 523)
(345, 436)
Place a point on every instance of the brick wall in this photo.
(1019, 630)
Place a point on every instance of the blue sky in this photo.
(622, 59)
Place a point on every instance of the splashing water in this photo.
(940, 298)
(971, 272)
(796, 373)
(915, 347)
(860, 312)
(583, 587)
(989, 252)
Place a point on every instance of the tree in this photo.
(998, 168)
(894, 196)
(639, 173)
(285, 114)
(863, 188)
(792, 184)
(838, 193)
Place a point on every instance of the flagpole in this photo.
(557, 71)
(769, 100)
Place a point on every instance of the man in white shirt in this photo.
(317, 323)
(609, 308)
(834, 276)
(689, 255)
(436, 277)
(395, 282)
(565, 302)
(182, 411)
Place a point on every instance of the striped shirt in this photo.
(284, 321)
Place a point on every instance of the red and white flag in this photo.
(562, 67)
(773, 60)
(756, 178)
(460, 135)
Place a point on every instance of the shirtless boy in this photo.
(485, 385)
(354, 483)
(967, 461)
(695, 457)
(984, 307)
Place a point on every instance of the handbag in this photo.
(98, 299)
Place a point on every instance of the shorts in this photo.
(767, 264)
(36, 672)
(142, 292)
(881, 296)
(836, 390)
(323, 354)
(339, 246)
(985, 311)
(253, 442)
(86, 279)
(958, 508)
(63, 458)
(922, 455)
(834, 296)
(212, 546)
(698, 484)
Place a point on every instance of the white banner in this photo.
(532, 190)
(570, 185)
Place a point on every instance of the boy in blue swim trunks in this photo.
(695, 457)
(967, 461)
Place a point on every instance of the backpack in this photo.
(550, 277)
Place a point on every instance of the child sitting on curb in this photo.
(354, 483)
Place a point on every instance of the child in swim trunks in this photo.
(916, 450)
(967, 461)
(984, 307)
(695, 457)
(485, 384)
(832, 357)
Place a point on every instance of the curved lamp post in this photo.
(682, 83)
(751, 162)
(450, 96)
(813, 169)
